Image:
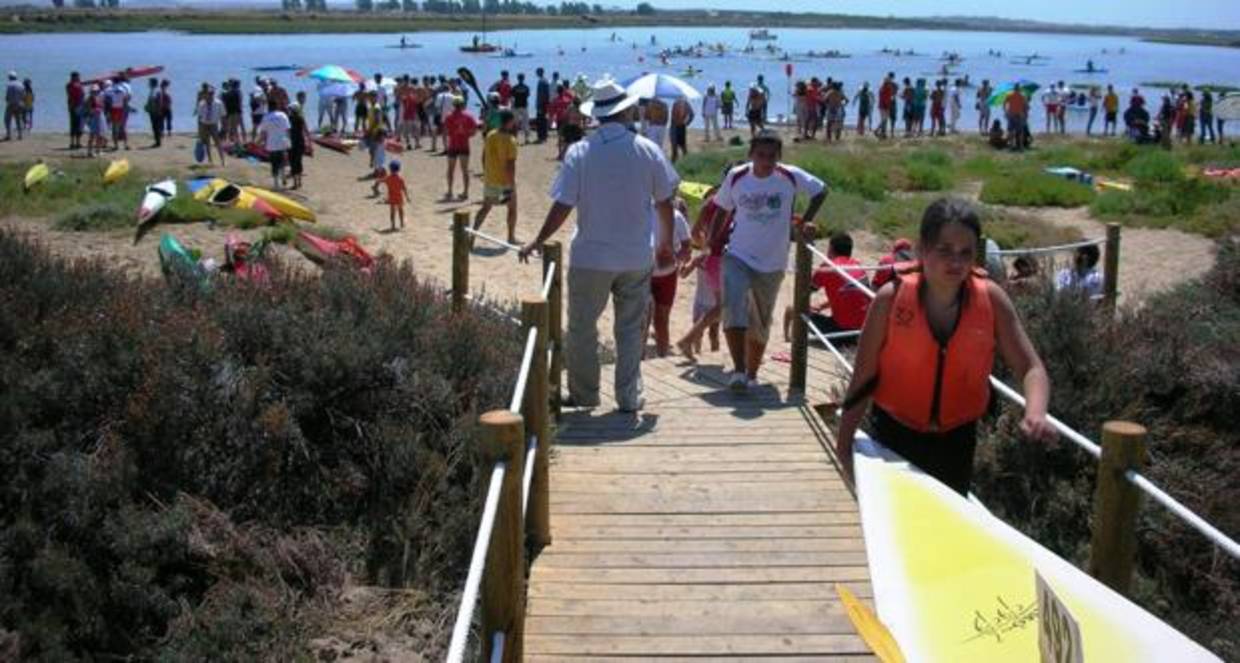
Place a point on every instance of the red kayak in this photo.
(333, 143)
(245, 259)
(129, 72)
(322, 250)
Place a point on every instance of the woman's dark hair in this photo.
(842, 244)
(1090, 254)
(944, 211)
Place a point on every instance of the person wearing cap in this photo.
(901, 252)
(761, 195)
(616, 180)
(499, 172)
(458, 127)
(14, 107)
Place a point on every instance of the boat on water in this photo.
(762, 34)
(480, 44)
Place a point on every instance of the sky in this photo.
(1211, 14)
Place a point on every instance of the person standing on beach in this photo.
(864, 101)
(118, 97)
(274, 131)
(210, 111)
(258, 106)
(542, 99)
(234, 125)
(14, 105)
(937, 116)
(1207, 116)
(1017, 110)
(499, 172)
(910, 106)
(682, 117)
(1110, 107)
(983, 106)
(755, 110)
(1095, 98)
(954, 106)
(655, 121)
(887, 106)
(521, 108)
(459, 126)
(93, 110)
(155, 111)
(166, 95)
(762, 194)
(75, 96)
(299, 143)
(612, 178)
(727, 102)
(710, 113)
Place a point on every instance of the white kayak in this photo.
(954, 583)
(157, 195)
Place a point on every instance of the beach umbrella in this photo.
(332, 72)
(1004, 90)
(662, 86)
(334, 89)
(1228, 108)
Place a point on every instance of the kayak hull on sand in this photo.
(954, 583)
(116, 170)
(36, 174)
(283, 204)
(222, 193)
(322, 250)
(157, 195)
(334, 144)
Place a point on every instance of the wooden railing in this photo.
(1120, 457)
(514, 446)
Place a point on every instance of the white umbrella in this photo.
(334, 89)
(1228, 108)
(662, 86)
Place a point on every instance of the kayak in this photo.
(36, 174)
(951, 582)
(254, 150)
(1104, 184)
(695, 190)
(322, 250)
(1089, 71)
(1069, 173)
(176, 262)
(287, 207)
(244, 259)
(394, 146)
(116, 170)
(222, 193)
(278, 67)
(333, 143)
(157, 195)
(129, 73)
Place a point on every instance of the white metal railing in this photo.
(492, 239)
(1190, 518)
(1050, 249)
(465, 612)
(548, 280)
(523, 376)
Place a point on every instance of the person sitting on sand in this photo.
(845, 304)
(1024, 275)
(997, 138)
(1083, 276)
(901, 252)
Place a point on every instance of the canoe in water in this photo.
(954, 583)
(116, 170)
(36, 174)
(157, 195)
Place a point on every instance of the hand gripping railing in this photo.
(1113, 542)
(514, 446)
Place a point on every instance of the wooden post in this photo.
(1110, 271)
(538, 422)
(552, 252)
(1113, 544)
(502, 438)
(460, 260)
(800, 330)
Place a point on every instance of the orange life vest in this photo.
(930, 387)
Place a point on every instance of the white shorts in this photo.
(523, 118)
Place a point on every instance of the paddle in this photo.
(468, 76)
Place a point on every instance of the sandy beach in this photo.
(336, 188)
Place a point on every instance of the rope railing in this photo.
(1059, 248)
(1131, 476)
(517, 503)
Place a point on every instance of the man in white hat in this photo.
(612, 178)
(14, 106)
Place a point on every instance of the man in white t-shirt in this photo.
(258, 106)
(761, 194)
(274, 130)
(615, 180)
(1082, 277)
(443, 107)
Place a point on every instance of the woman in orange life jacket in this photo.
(926, 351)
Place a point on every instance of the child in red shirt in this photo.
(396, 194)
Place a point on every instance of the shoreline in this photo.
(27, 20)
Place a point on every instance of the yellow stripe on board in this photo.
(869, 627)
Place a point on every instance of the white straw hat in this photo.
(608, 98)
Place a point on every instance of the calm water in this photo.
(191, 59)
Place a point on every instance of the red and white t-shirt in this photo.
(763, 212)
(849, 303)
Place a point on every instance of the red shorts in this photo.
(117, 115)
(664, 289)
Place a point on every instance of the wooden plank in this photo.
(567, 477)
(707, 620)
(550, 607)
(699, 560)
(672, 484)
(578, 466)
(622, 440)
(567, 522)
(801, 452)
(700, 533)
(843, 658)
(793, 574)
(786, 592)
(663, 645)
(704, 505)
(563, 546)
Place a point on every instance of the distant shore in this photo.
(28, 20)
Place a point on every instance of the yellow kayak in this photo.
(36, 174)
(954, 583)
(116, 170)
(694, 190)
(1102, 184)
(285, 205)
(222, 193)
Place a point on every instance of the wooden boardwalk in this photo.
(710, 525)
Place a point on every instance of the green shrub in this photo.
(194, 476)
(1156, 167)
(924, 176)
(1179, 376)
(1192, 205)
(843, 172)
(1035, 190)
(95, 217)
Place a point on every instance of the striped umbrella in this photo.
(332, 72)
(1004, 90)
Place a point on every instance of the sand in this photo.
(335, 188)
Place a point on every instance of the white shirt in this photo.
(210, 112)
(260, 95)
(680, 235)
(613, 178)
(443, 102)
(275, 128)
(763, 208)
(115, 96)
(1089, 283)
(710, 104)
